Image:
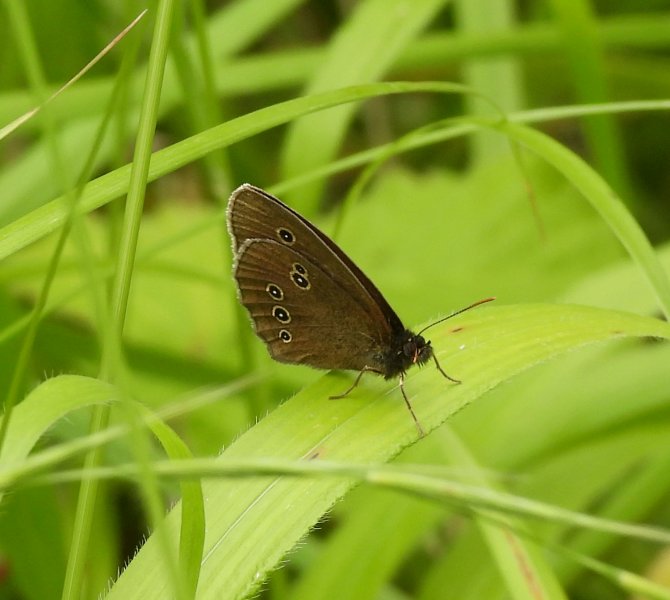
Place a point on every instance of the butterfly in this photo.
(310, 303)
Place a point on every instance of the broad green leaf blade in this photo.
(391, 527)
(252, 523)
(388, 525)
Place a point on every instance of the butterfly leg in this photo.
(439, 368)
(409, 406)
(356, 381)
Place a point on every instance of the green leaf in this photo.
(252, 523)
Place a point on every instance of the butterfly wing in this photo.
(255, 214)
(302, 313)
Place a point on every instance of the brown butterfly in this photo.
(310, 303)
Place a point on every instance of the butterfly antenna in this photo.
(458, 312)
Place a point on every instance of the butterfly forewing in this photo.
(255, 214)
(295, 305)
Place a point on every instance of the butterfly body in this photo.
(307, 299)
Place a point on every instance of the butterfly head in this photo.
(410, 349)
(417, 349)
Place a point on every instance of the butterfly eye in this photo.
(275, 291)
(286, 236)
(409, 348)
(285, 336)
(281, 314)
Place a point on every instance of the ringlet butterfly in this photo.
(310, 303)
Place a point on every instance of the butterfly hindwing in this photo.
(297, 307)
